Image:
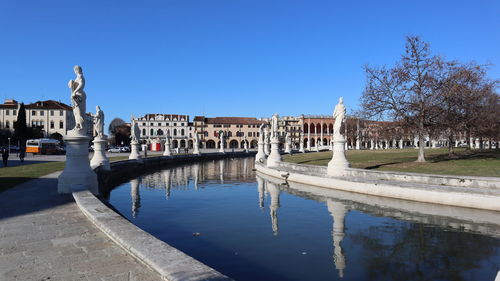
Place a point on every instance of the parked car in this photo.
(115, 150)
(125, 149)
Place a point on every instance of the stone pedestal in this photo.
(77, 174)
(338, 163)
(136, 147)
(274, 157)
(100, 158)
(260, 152)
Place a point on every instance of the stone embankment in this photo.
(470, 192)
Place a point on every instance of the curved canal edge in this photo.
(479, 193)
(171, 263)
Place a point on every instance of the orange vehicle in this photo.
(42, 146)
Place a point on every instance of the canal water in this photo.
(252, 227)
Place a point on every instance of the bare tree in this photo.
(408, 91)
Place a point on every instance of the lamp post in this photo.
(9, 144)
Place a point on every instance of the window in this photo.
(175, 124)
(168, 124)
(7, 112)
(143, 132)
(61, 113)
(7, 124)
(182, 132)
(52, 124)
(33, 113)
(249, 134)
(61, 125)
(151, 131)
(33, 123)
(159, 124)
(175, 132)
(227, 126)
(229, 134)
(42, 124)
(42, 113)
(52, 113)
(151, 124)
(182, 124)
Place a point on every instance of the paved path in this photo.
(44, 236)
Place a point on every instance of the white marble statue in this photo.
(245, 143)
(339, 115)
(98, 122)
(136, 132)
(261, 132)
(78, 98)
(274, 126)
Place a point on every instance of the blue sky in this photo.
(226, 57)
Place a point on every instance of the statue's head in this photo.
(97, 108)
(78, 69)
(341, 100)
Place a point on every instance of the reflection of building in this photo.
(234, 128)
(52, 117)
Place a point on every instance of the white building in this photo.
(155, 127)
(51, 116)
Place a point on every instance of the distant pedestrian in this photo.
(22, 154)
(5, 157)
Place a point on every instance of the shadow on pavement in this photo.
(32, 196)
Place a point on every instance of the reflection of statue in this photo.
(136, 197)
(275, 204)
(339, 115)
(338, 211)
(78, 98)
(221, 149)
(136, 132)
(98, 122)
(274, 126)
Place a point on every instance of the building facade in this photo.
(52, 117)
(154, 129)
(235, 130)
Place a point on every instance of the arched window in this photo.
(175, 132)
(143, 132)
(151, 132)
(182, 132)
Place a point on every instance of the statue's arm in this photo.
(80, 85)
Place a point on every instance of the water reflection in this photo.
(274, 192)
(338, 212)
(415, 247)
(136, 197)
(308, 230)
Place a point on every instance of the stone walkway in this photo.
(44, 236)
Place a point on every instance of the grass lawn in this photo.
(469, 163)
(12, 176)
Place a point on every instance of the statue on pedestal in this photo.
(98, 122)
(78, 99)
(339, 115)
(274, 126)
(339, 162)
(136, 132)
